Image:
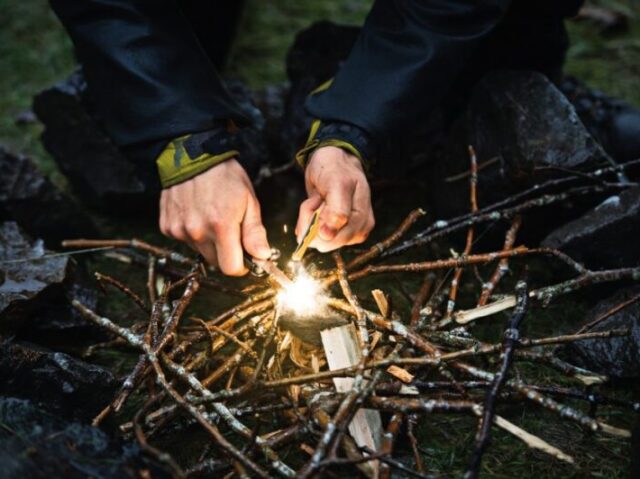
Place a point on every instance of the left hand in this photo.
(218, 215)
(335, 180)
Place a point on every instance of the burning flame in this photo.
(303, 297)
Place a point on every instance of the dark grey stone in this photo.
(604, 237)
(25, 285)
(617, 357)
(37, 205)
(522, 122)
(59, 382)
(34, 291)
(96, 168)
(57, 322)
(37, 445)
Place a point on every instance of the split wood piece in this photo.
(396, 371)
(309, 235)
(400, 373)
(342, 349)
(382, 301)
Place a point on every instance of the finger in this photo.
(208, 250)
(359, 226)
(307, 208)
(229, 249)
(337, 210)
(353, 233)
(254, 234)
(177, 230)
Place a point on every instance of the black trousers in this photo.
(532, 36)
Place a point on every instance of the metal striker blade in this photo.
(274, 272)
(260, 267)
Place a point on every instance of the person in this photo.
(151, 66)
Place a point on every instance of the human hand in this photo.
(335, 180)
(217, 214)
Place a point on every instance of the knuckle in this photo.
(176, 232)
(217, 226)
(359, 237)
(346, 181)
(195, 229)
(337, 217)
(163, 226)
(307, 206)
(370, 225)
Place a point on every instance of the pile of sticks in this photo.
(256, 389)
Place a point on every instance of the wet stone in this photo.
(617, 357)
(526, 129)
(25, 285)
(604, 237)
(37, 445)
(55, 322)
(96, 168)
(28, 197)
(57, 381)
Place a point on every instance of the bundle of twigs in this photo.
(255, 388)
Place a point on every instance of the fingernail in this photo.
(327, 233)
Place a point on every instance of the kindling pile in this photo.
(258, 391)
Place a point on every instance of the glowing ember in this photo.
(303, 297)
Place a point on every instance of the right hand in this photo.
(335, 180)
(217, 214)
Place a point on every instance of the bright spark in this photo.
(285, 228)
(303, 297)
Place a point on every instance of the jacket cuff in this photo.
(189, 155)
(349, 137)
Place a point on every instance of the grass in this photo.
(611, 64)
(35, 53)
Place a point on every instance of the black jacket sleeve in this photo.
(406, 57)
(147, 74)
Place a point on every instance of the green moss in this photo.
(34, 53)
(611, 64)
(268, 28)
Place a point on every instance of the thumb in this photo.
(254, 234)
(337, 209)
